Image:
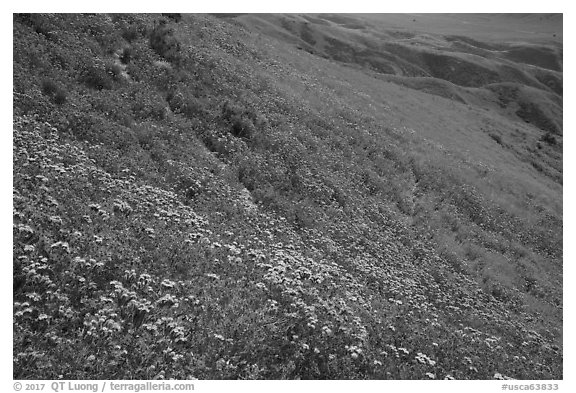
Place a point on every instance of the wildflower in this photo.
(448, 377)
(168, 300)
(63, 245)
(326, 330)
(220, 364)
(261, 286)
(501, 377)
(431, 375)
(424, 359)
(32, 296)
(150, 232)
(26, 229)
(166, 283)
(406, 352)
(354, 351)
(95, 264)
(55, 220)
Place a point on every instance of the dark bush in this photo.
(164, 43)
(187, 105)
(241, 120)
(247, 176)
(60, 97)
(130, 33)
(230, 110)
(242, 127)
(549, 139)
(497, 138)
(537, 166)
(49, 87)
(54, 91)
(126, 55)
(96, 78)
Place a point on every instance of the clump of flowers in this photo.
(424, 359)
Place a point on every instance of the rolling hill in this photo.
(303, 196)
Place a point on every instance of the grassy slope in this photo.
(243, 209)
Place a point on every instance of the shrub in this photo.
(126, 55)
(497, 138)
(230, 110)
(130, 33)
(549, 139)
(163, 42)
(186, 104)
(54, 91)
(241, 121)
(537, 166)
(60, 97)
(49, 87)
(242, 128)
(96, 78)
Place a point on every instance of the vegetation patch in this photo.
(199, 204)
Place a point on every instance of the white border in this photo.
(300, 6)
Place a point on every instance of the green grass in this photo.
(222, 205)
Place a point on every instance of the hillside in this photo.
(286, 197)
